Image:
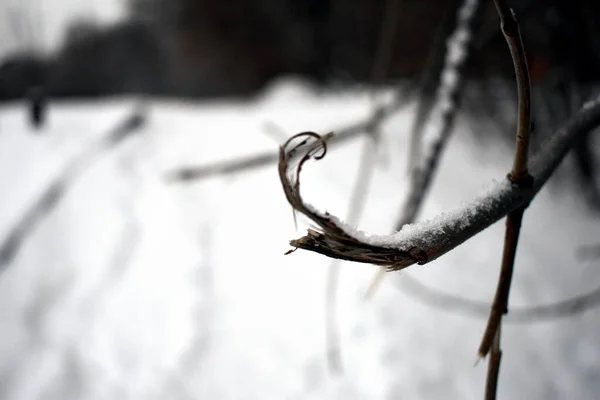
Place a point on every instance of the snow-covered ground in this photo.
(137, 288)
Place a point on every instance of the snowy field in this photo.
(138, 288)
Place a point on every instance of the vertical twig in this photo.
(519, 175)
(491, 382)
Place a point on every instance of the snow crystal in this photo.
(434, 229)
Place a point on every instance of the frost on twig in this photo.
(424, 241)
(418, 243)
(334, 240)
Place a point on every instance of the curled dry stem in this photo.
(425, 241)
(333, 241)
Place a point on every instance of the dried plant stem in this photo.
(491, 382)
(427, 240)
(520, 176)
(499, 306)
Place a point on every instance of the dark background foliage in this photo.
(205, 48)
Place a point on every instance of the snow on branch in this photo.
(424, 241)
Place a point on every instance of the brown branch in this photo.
(519, 175)
(491, 381)
(500, 303)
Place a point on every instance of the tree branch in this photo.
(194, 173)
(519, 175)
(424, 241)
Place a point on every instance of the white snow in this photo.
(135, 288)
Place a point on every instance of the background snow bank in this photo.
(137, 288)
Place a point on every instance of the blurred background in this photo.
(198, 48)
(116, 283)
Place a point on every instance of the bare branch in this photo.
(519, 175)
(425, 241)
(245, 164)
(491, 382)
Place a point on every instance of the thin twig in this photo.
(519, 175)
(423, 241)
(479, 309)
(249, 163)
(500, 303)
(493, 372)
